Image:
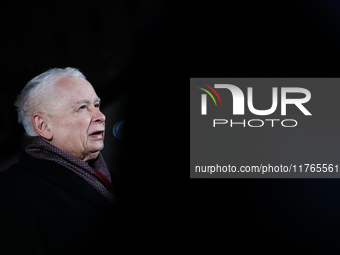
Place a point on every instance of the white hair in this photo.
(36, 91)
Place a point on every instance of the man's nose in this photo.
(98, 116)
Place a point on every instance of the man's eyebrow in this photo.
(86, 101)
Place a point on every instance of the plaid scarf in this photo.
(38, 148)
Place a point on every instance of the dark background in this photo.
(132, 52)
(147, 50)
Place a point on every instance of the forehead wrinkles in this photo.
(72, 90)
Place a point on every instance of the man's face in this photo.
(77, 124)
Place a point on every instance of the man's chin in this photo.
(91, 156)
(93, 151)
(95, 146)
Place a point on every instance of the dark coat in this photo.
(47, 209)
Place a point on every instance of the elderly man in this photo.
(59, 198)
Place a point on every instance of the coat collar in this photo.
(38, 148)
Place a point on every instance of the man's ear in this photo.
(41, 127)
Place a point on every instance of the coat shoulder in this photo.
(10, 177)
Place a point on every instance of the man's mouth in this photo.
(97, 134)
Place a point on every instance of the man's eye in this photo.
(97, 105)
(82, 107)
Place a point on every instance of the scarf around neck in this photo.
(38, 148)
